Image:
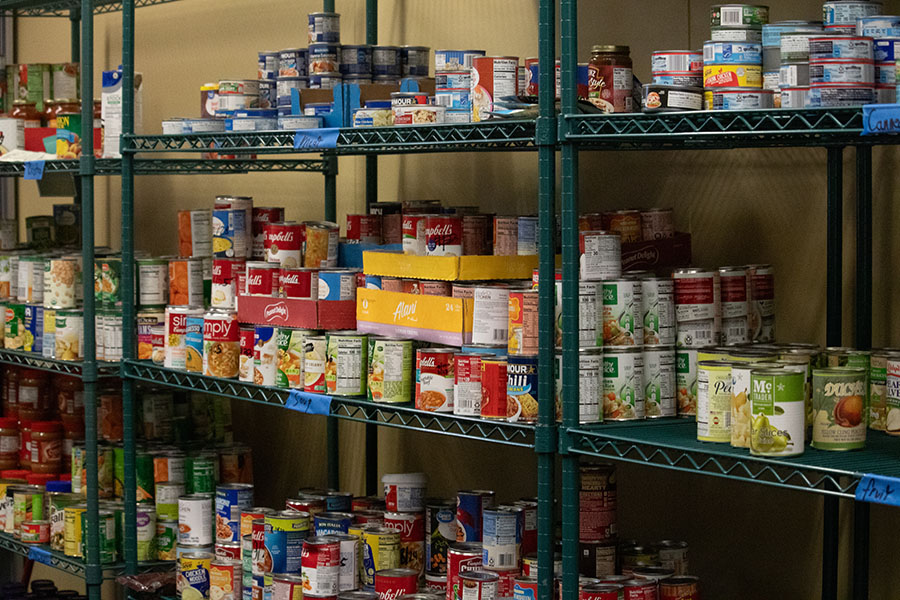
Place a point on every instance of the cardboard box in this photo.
(43, 139)
(434, 319)
(658, 255)
(448, 268)
(303, 314)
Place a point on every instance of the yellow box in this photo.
(436, 319)
(448, 268)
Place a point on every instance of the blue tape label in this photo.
(313, 404)
(879, 489)
(313, 139)
(34, 169)
(881, 119)
(40, 555)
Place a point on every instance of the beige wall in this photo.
(746, 541)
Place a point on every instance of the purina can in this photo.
(623, 387)
(601, 255)
(493, 78)
(390, 365)
(379, 550)
(195, 233)
(659, 381)
(714, 401)
(321, 563)
(195, 519)
(462, 557)
(411, 527)
(231, 499)
(283, 243)
(623, 323)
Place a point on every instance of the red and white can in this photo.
(259, 554)
(364, 229)
(414, 234)
(462, 557)
(246, 362)
(493, 388)
(286, 586)
(35, 532)
(369, 517)
(506, 582)
(640, 589)
(224, 281)
(435, 379)
(284, 243)
(228, 551)
(476, 235)
(251, 514)
(529, 531)
(300, 283)
(698, 307)
(602, 591)
(761, 281)
(391, 584)
(467, 384)
(493, 77)
(320, 564)
(411, 527)
(308, 504)
(735, 305)
(506, 236)
(221, 344)
(262, 278)
(263, 215)
(443, 235)
(479, 585)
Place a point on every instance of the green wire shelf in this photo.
(352, 409)
(720, 129)
(35, 361)
(62, 8)
(487, 136)
(173, 166)
(672, 444)
(42, 553)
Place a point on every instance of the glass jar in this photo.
(11, 392)
(46, 447)
(25, 444)
(610, 79)
(64, 105)
(70, 401)
(32, 398)
(48, 115)
(9, 443)
(27, 111)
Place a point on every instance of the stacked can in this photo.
(772, 60)
(453, 83)
(737, 22)
(840, 16)
(404, 500)
(885, 31)
(677, 81)
(732, 59)
(841, 70)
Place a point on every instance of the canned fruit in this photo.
(839, 420)
(713, 401)
(777, 401)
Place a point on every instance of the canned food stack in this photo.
(795, 97)
(841, 70)
(733, 58)
(840, 16)
(453, 82)
(886, 53)
(677, 81)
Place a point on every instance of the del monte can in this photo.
(839, 417)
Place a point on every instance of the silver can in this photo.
(734, 289)
(590, 383)
(658, 309)
(195, 519)
(659, 381)
(623, 323)
(623, 384)
(698, 307)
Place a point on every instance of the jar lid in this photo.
(9, 423)
(611, 48)
(46, 426)
(40, 478)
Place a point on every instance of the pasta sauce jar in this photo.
(610, 78)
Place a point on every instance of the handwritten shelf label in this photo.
(40, 555)
(315, 139)
(34, 169)
(881, 118)
(313, 404)
(879, 489)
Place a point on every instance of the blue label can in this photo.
(339, 502)
(502, 537)
(324, 27)
(386, 60)
(193, 343)
(886, 50)
(267, 65)
(231, 499)
(373, 282)
(337, 285)
(356, 60)
(229, 230)
(521, 388)
(732, 53)
(327, 523)
(34, 328)
(324, 58)
(292, 62)
(469, 508)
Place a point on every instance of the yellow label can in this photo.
(73, 532)
(732, 76)
(714, 401)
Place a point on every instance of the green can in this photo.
(14, 331)
(289, 373)
(107, 280)
(166, 539)
(839, 408)
(56, 509)
(686, 381)
(807, 356)
(777, 411)
(390, 367)
(143, 469)
(107, 532)
(167, 493)
(739, 15)
(200, 475)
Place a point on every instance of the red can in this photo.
(320, 564)
(533, 74)
(480, 585)
(506, 582)
(241, 282)
(640, 589)
(368, 517)
(529, 531)
(493, 78)
(259, 554)
(300, 283)
(626, 223)
(221, 344)
(525, 587)
(307, 504)
(467, 383)
(506, 236)
(462, 557)
(476, 235)
(262, 278)
(247, 342)
(435, 288)
(391, 584)
(228, 550)
(590, 222)
(364, 229)
(224, 281)
(411, 527)
(601, 591)
(365, 503)
(250, 515)
(283, 243)
(597, 503)
(493, 388)
(443, 235)
(413, 234)
(263, 215)
(35, 532)
(434, 379)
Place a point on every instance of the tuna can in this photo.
(842, 47)
(455, 60)
(523, 323)
(735, 34)
(676, 60)
(390, 370)
(379, 550)
(295, 122)
(356, 59)
(658, 310)
(521, 389)
(462, 557)
(623, 323)
(795, 97)
(601, 255)
(795, 45)
(490, 315)
(714, 401)
(345, 364)
(323, 58)
(321, 244)
(659, 381)
(324, 27)
(176, 353)
(738, 99)
(688, 79)
(697, 307)
(735, 306)
(737, 53)
(746, 15)
(836, 95)
(777, 405)
(841, 15)
(411, 528)
(453, 89)
(886, 75)
(284, 535)
(493, 78)
(670, 98)
(886, 50)
(878, 26)
(840, 71)
(265, 349)
(623, 386)
(386, 61)
(325, 81)
(732, 76)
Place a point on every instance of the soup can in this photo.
(283, 243)
(320, 244)
(300, 283)
(230, 232)
(314, 356)
(590, 385)
(262, 278)
(659, 381)
(289, 373)
(467, 383)
(697, 307)
(462, 557)
(443, 235)
(286, 586)
(493, 77)
(623, 388)
(224, 282)
(735, 305)
(434, 379)
(411, 527)
(321, 561)
(195, 233)
(247, 345)
(265, 349)
(390, 369)
(658, 310)
(490, 314)
(494, 384)
(364, 229)
(346, 364)
(195, 519)
(176, 333)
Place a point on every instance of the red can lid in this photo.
(9, 423)
(16, 474)
(40, 478)
(46, 426)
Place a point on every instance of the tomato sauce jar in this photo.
(610, 78)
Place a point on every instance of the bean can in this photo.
(283, 537)
(714, 401)
(777, 406)
(521, 389)
(623, 385)
(389, 370)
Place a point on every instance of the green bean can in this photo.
(839, 408)
(107, 532)
(390, 370)
(778, 411)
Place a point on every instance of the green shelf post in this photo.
(570, 371)
(93, 570)
(331, 171)
(334, 463)
(129, 345)
(834, 246)
(545, 430)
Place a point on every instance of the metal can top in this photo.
(466, 548)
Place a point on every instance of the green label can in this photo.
(714, 401)
(106, 527)
(57, 502)
(623, 321)
(345, 364)
(146, 533)
(289, 365)
(777, 404)
(741, 375)
(686, 381)
(390, 370)
(659, 381)
(107, 279)
(200, 472)
(14, 334)
(166, 538)
(623, 384)
(839, 407)
(167, 493)
(809, 359)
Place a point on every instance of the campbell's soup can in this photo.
(320, 245)
(224, 281)
(320, 565)
(443, 235)
(262, 278)
(477, 234)
(364, 229)
(300, 283)
(195, 232)
(413, 231)
(396, 583)
(176, 334)
(283, 243)
(263, 215)
(247, 335)
(462, 557)
(434, 379)
(221, 344)
(493, 77)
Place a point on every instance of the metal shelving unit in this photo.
(64, 8)
(170, 166)
(74, 368)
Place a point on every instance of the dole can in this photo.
(838, 403)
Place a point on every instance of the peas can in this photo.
(146, 533)
(390, 370)
(777, 404)
(623, 386)
(345, 364)
(714, 401)
(839, 417)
